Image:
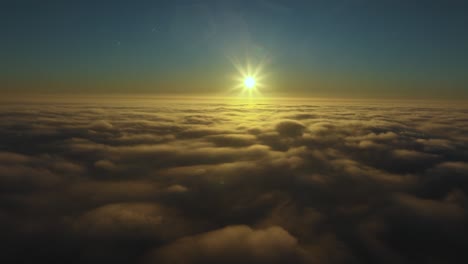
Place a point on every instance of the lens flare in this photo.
(249, 82)
(250, 78)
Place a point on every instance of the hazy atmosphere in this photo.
(193, 132)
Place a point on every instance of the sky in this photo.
(340, 48)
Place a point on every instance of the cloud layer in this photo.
(203, 182)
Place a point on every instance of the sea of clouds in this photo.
(213, 182)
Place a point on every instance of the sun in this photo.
(250, 77)
(249, 82)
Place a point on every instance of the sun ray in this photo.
(250, 77)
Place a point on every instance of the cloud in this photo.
(177, 188)
(232, 244)
(412, 155)
(130, 221)
(168, 182)
(7, 157)
(459, 167)
(105, 165)
(232, 140)
(412, 225)
(101, 125)
(290, 128)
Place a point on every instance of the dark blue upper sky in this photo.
(340, 47)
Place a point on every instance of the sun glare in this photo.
(249, 82)
(250, 78)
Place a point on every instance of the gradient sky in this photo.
(341, 48)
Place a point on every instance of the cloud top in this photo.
(199, 182)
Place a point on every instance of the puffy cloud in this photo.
(412, 155)
(460, 167)
(232, 140)
(105, 164)
(433, 144)
(101, 125)
(131, 221)
(224, 182)
(232, 244)
(290, 128)
(411, 226)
